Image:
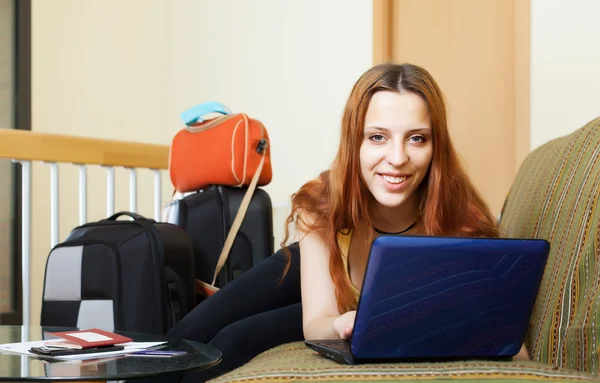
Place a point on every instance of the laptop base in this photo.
(336, 350)
(339, 351)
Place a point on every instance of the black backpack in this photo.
(130, 275)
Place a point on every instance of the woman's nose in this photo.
(397, 155)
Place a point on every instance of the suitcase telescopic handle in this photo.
(194, 114)
(135, 216)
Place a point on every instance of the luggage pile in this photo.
(144, 276)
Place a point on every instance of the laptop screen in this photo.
(447, 297)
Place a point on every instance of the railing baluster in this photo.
(157, 195)
(53, 204)
(25, 239)
(82, 194)
(24, 358)
(132, 190)
(25, 256)
(110, 191)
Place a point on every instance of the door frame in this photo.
(22, 120)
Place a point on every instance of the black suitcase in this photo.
(207, 216)
(131, 275)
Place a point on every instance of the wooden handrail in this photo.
(34, 146)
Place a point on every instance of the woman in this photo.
(396, 171)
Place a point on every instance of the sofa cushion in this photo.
(555, 197)
(295, 362)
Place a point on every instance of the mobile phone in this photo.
(52, 351)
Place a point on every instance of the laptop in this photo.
(442, 299)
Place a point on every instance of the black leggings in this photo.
(249, 315)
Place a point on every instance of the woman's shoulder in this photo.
(310, 224)
(306, 219)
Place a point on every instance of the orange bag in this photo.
(228, 150)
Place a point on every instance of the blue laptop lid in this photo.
(437, 297)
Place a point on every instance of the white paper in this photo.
(23, 349)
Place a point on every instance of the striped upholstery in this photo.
(554, 196)
(294, 362)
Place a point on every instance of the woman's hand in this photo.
(343, 324)
(522, 355)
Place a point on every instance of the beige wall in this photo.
(126, 69)
(565, 67)
(6, 63)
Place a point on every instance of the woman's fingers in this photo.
(343, 324)
(346, 332)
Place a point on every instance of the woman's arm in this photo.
(320, 316)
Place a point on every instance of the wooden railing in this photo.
(26, 147)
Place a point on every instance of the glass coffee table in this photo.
(14, 367)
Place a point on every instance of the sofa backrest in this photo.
(555, 196)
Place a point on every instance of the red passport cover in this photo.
(92, 338)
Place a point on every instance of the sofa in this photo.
(555, 196)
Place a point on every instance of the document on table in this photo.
(23, 348)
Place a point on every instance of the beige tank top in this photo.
(344, 237)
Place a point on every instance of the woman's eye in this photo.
(376, 137)
(418, 139)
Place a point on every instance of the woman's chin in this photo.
(390, 201)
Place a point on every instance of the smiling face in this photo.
(397, 148)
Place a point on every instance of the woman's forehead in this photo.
(397, 111)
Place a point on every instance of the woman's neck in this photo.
(394, 220)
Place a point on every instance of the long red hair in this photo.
(337, 199)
